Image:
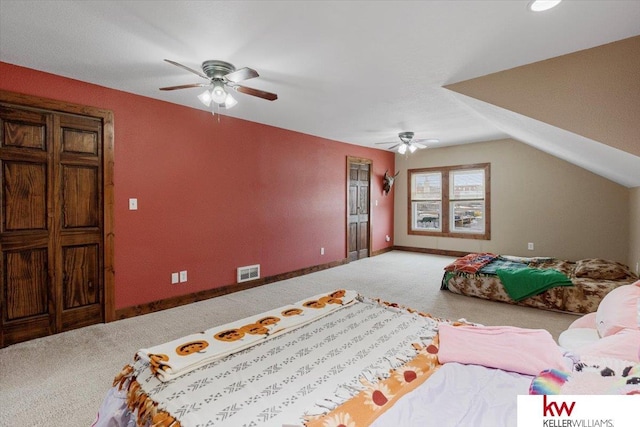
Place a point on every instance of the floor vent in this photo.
(250, 272)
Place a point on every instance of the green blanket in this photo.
(521, 283)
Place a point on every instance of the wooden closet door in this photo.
(27, 266)
(51, 236)
(79, 221)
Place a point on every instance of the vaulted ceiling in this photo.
(566, 81)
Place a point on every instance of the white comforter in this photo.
(459, 395)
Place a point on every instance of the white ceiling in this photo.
(351, 71)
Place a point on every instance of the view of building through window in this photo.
(426, 196)
(449, 200)
(467, 200)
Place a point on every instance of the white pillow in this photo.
(618, 310)
(573, 338)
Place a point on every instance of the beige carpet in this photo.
(61, 380)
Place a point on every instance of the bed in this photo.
(540, 282)
(336, 359)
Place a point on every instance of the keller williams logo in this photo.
(552, 409)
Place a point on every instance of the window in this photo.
(452, 201)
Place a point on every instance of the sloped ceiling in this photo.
(583, 107)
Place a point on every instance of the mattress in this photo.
(590, 280)
(336, 359)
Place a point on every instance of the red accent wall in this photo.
(213, 196)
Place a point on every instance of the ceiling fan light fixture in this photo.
(230, 101)
(542, 5)
(205, 97)
(402, 149)
(223, 78)
(405, 137)
(412, 148)
(218, 94)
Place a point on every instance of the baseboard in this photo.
(172, 302)
(382, 251)
(430, 251)
(164, 304)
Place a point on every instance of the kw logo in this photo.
(552, 409)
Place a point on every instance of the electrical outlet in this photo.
(175, 278)
(321, 251)
(133, 204)
(183, 276)
(530, 246)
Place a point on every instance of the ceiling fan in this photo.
(222, 77)
(407, 142)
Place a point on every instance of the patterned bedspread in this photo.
(291, 378)
(592, 279)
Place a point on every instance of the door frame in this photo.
(361, 160)
(29, 101)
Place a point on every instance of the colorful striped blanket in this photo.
(471, 263)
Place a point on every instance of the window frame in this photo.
(445, 223)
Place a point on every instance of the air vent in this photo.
(249, 272)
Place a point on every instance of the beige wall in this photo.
(634, 229)
(566, 211)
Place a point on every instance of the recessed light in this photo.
(542, 5)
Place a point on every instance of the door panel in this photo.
(358, 230)
(80, 276)
(79, 140)
(23, 129)
(25, 196)
(26, 290)
(80, 197)
(80, 222)
(26, 296)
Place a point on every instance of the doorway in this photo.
(358, 208)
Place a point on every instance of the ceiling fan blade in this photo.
(418, 145)
(256, 92)
(184, 67)
(395, 146)
(388, 142)
(241, 74)
(428, 141)
(185, 86)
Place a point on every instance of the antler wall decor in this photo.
(387, 181)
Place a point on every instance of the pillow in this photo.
(624, 345)
(586, 321)
(618, 310)
(602, 269)
(574, 338)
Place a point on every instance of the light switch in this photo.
(183, 276)
(133, 204)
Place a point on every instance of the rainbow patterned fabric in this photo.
(608, 376)
(549, 381)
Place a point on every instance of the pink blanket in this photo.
(526, 351)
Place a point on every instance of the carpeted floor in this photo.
(61, 380)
